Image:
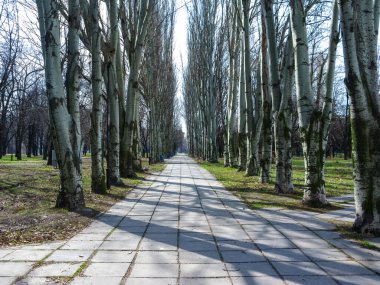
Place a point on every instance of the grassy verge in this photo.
(28, 190)
(338, 176)
(345, 229)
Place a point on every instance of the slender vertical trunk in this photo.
(136, 51)
(98, 180)
(283, 124)
(252, 167)
(280, 98)
(71, 193)
(233, 89)
(242, 137)
(266, 154)
(72, 79)
(113, 152)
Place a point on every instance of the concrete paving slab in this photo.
(317, 254)
(41, 281)
(88, 237)
(69, 255)
(82, 244)
(328, 235)
(257, 280)
(192, 236)
(205, 281)
(4, 252)
(132, 230)
(310, 243)
(208, 245)
(55, 269)
(231, 235)
(243, 256)
(155, 270)
(274, 243)
(8, 269)
(157, 257)
(285, 255)
(27, 255)
(362, 253)
(265, 235)
(106, 269)
(151, 281)
(251, 269)
(123, 235)
(157, 245)
(358, 279)
(113, 256)
(344, 268)
(98, 280)
(200, 270)
(305, 234)
(204, 257)
(48, 245)
(7, 280)
(225, 245)
(119, 245)
(310, 280)
(298, 268)
(373, 265)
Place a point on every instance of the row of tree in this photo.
(97, 75)
(259, 70)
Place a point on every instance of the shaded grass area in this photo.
(338, 176)
(28, 190)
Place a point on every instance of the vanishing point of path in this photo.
(183, 227)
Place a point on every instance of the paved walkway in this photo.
(183, 227)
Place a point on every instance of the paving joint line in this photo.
(130, 268)
(213, 235)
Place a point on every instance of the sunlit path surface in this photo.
(183, 227)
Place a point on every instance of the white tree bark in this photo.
(232, 92)
(266, 157)
(72, 78)
(280, 98)
(113, 145)
(98, 180)
(360, 35)
(314, 124)
(71, 193)
(242, 137)
(135, 50)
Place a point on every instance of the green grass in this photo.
(338, 176)
(369, 245)
(28, 191)
(345, 229)
(12, 158)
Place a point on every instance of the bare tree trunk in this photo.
(72, 79)
(280, 99)
(314, 124)
(266, 155)
(135, 54)
(113, 152)
(232, 93)
(360, 22)
(98, 179)
(242, 137)
(253, 133)
(71, 193)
